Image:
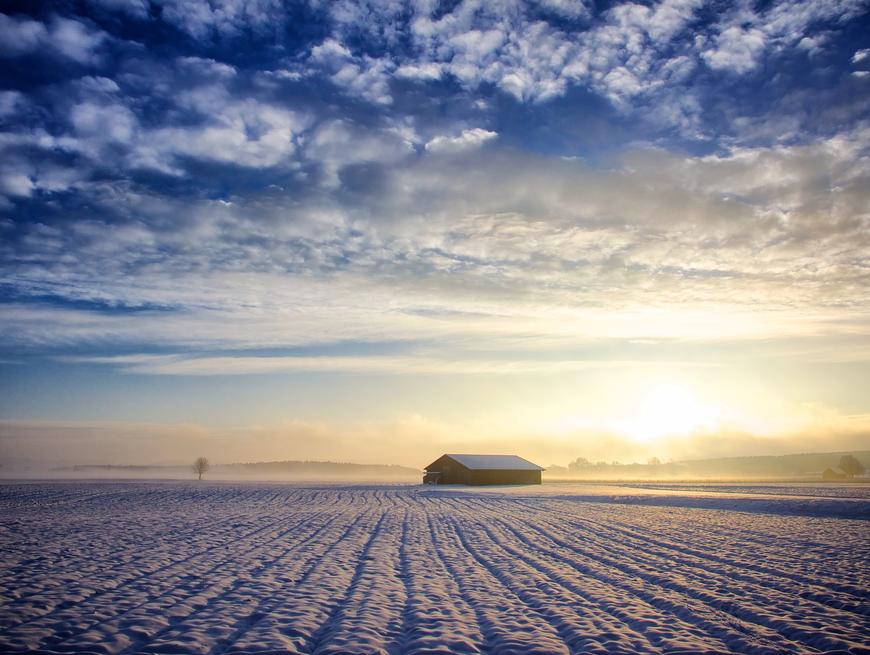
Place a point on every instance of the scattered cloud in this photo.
(471, 138)
(337, 144)
(736, 49)
(521, 246)
(358, 76)
(10, 103)
(63, 37)
(572, 9)
(203, 19)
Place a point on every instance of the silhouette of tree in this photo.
(201, 466)
(850, 465)
(579, 464)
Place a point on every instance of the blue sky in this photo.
(367, 229)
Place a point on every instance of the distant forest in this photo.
(808, 465)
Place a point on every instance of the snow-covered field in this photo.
(259, 568)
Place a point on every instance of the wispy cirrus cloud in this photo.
(398, 365)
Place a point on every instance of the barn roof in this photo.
(494, 462)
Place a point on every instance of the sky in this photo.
(380, 231)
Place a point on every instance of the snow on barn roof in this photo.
(498, 462)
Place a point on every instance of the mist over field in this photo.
(289, 471)
(43, 446)
(807, 467)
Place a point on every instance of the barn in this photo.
(482, 469)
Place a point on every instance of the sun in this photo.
(670, 409)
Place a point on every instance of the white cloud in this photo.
(366, 78)
(737, 50)
(245, 133)
(72, 39)
(337, 144)
(363, 77)
(60, 36)
(428, 71)
(202, 19)
(284, 74)
(20, 36)
(21, 177)
(499, 243)
(97, 85)
(745, 35)
(101, 124)
(566, 8)
(745, 245)
(242, 132)
(813, 45)
(246, 365)
(471, 138)
(206, 67)
(787, 21)
(860, 55)
(533, 60)
(11, 102)
(638, 57)
(16, 184)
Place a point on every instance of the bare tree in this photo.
(851, 466)
(201, 466)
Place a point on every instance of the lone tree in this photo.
(201, 466)
(850, 465)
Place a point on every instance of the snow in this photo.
(495, 462)
(168, 567)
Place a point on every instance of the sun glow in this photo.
(668, 409)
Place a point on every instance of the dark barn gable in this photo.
(482, 469)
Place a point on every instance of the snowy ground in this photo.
(257, 568)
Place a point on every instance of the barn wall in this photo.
(452, 472)
(504, 477)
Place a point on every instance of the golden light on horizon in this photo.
(667, 409)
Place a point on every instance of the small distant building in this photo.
(482, 469)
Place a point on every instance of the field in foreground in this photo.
(222, 568)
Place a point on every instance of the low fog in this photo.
(289, 471)
(396, 451)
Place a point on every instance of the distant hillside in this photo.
(800, 466)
